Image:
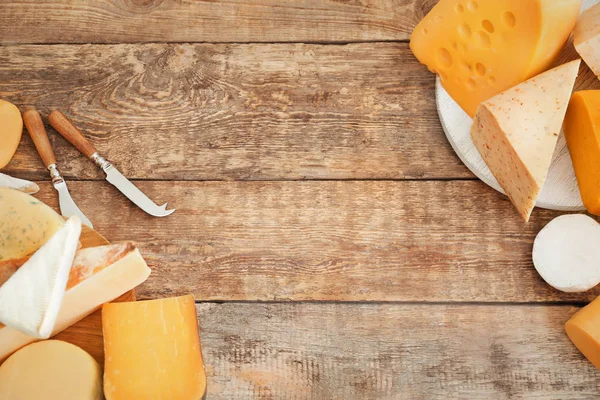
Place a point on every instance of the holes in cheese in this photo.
(586, 37)
(582, 131)
(25, 224)
(517, 130)
(11, 128)
(566, 253)
(152, 350)
(51, 370)
(99, 275)
(514, 39)
(31, 298)
(584, 331)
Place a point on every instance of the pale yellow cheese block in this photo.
(11, 129)
(51, 370)
(25, 224)
(99, 275)
(516, 132)
(586, 37)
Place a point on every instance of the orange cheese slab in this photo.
(584, 331)
(582, 131)
(99, 275)
(516, 132)
(152, 350)
(11, 129)
(481, 48)
(586, 37)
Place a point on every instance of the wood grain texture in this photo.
(87, 333)
(417, 352)
(132, 21)
(432, 241)
(244, 112)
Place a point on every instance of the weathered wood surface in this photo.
(428, 241)
(251, 112)
(132, 21)
(417, 352)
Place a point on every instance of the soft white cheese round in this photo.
(566, 253)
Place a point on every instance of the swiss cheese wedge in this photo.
(11, 129)
(480, 48)
(99, 275)
(586, 37)
(25, 224)
(516, 132)
(31, 298)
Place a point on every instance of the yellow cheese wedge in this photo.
(584, 331)
(25, 224)
(99, 275)
(582, 131)
(481, 48)
(11, 128)
(152, 350)
(516, 132)
(51, 370)
(586, 37)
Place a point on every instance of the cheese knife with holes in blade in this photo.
(66, 128)
(35, 127)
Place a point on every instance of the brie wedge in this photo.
(18, 184)
(31, 298)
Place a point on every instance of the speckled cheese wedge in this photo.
(516, 132)
(25, 224)
(31, 298)
(586, 37)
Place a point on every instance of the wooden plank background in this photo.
(337, 247)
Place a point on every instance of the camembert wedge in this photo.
(516, 132)
(31, 298)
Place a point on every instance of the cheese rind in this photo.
(25, 224)
(90, 285)
(152, 350)
(584, 331)
(11, 129)
(481, 48)
(586, 37)
(51, 370)
(582, 131)
(18, 184)
(31, 298)
(516, 132)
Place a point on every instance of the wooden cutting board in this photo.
(87, 333)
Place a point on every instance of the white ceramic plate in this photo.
(560, 192)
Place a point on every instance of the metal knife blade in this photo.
(134, 194)
(68, 208)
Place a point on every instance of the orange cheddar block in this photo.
(586, 37)
(152, 350)
(481, 48)
(584, 331)
(11, 128)
(582, 131)
(517, 130)
(98, 275)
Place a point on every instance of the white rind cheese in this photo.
(18, 184)
(31, 298)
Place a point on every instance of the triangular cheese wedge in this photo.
(31, 298)
(516, 132)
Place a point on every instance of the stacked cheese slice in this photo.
(517, 130)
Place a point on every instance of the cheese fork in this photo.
(38, 134)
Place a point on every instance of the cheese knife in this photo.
(38, 134)
(66, 128)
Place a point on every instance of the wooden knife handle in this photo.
(38, 134)
(65, 127)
